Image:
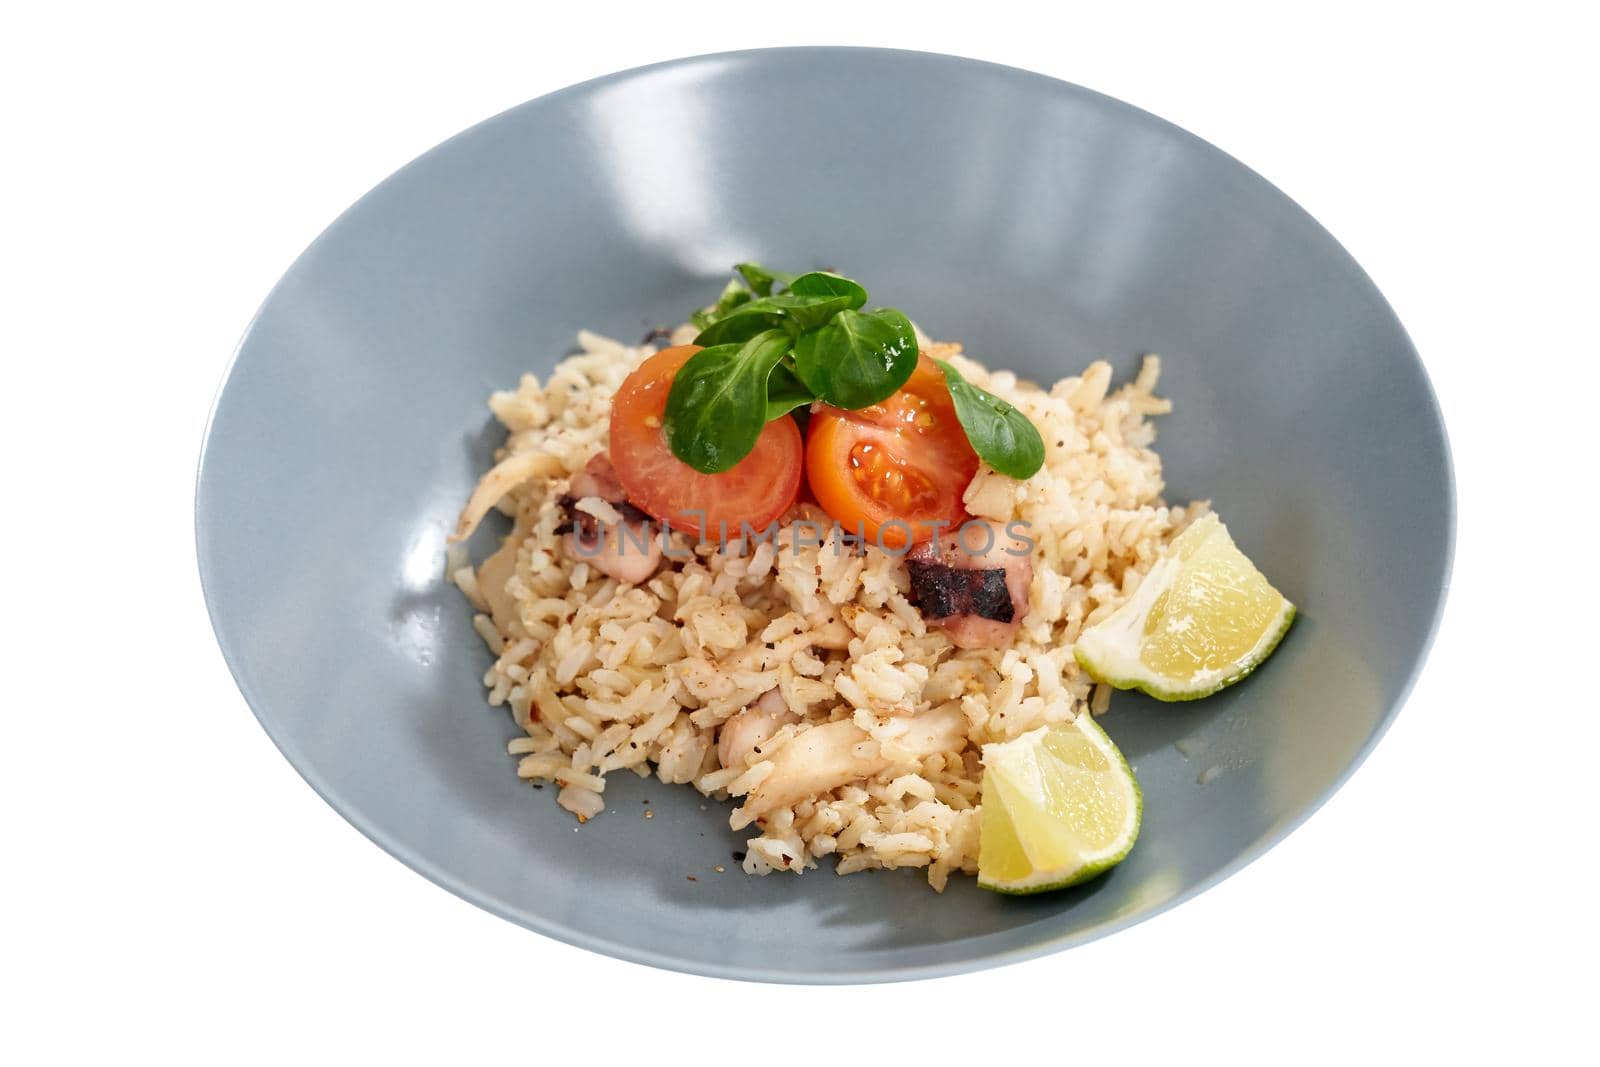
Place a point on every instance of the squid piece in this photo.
(834, 754)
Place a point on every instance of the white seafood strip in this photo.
(493, 574)
(834, 754)
(503, 477)
(743, 735)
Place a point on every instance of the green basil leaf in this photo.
(733, 295)
(718, 402)
(1002, 436)
(826, 283)
(745, 322)
(806, 312)
(785, 392)
(859, 358)
(761, 280)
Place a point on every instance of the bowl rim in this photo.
(620, 950)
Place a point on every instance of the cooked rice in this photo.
(604, 677)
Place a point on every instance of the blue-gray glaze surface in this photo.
(1041, 224)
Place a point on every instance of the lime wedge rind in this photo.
(1154, 685)
(1005, 763)
(1125, 649)
(1046, 881)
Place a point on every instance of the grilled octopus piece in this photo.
(630, 550)
(972, 583)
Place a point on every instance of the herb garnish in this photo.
(781, 341)
(718, 402)
(1002, 436)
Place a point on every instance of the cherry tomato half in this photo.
(894, 467)
(756, 490)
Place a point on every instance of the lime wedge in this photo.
(1202, 619)
(1060, 805)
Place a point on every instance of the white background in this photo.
(173, 888)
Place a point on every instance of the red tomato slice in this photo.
(896, 467)
(756, 490)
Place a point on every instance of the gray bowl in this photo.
(1042, 224)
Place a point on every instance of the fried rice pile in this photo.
(877, 758)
